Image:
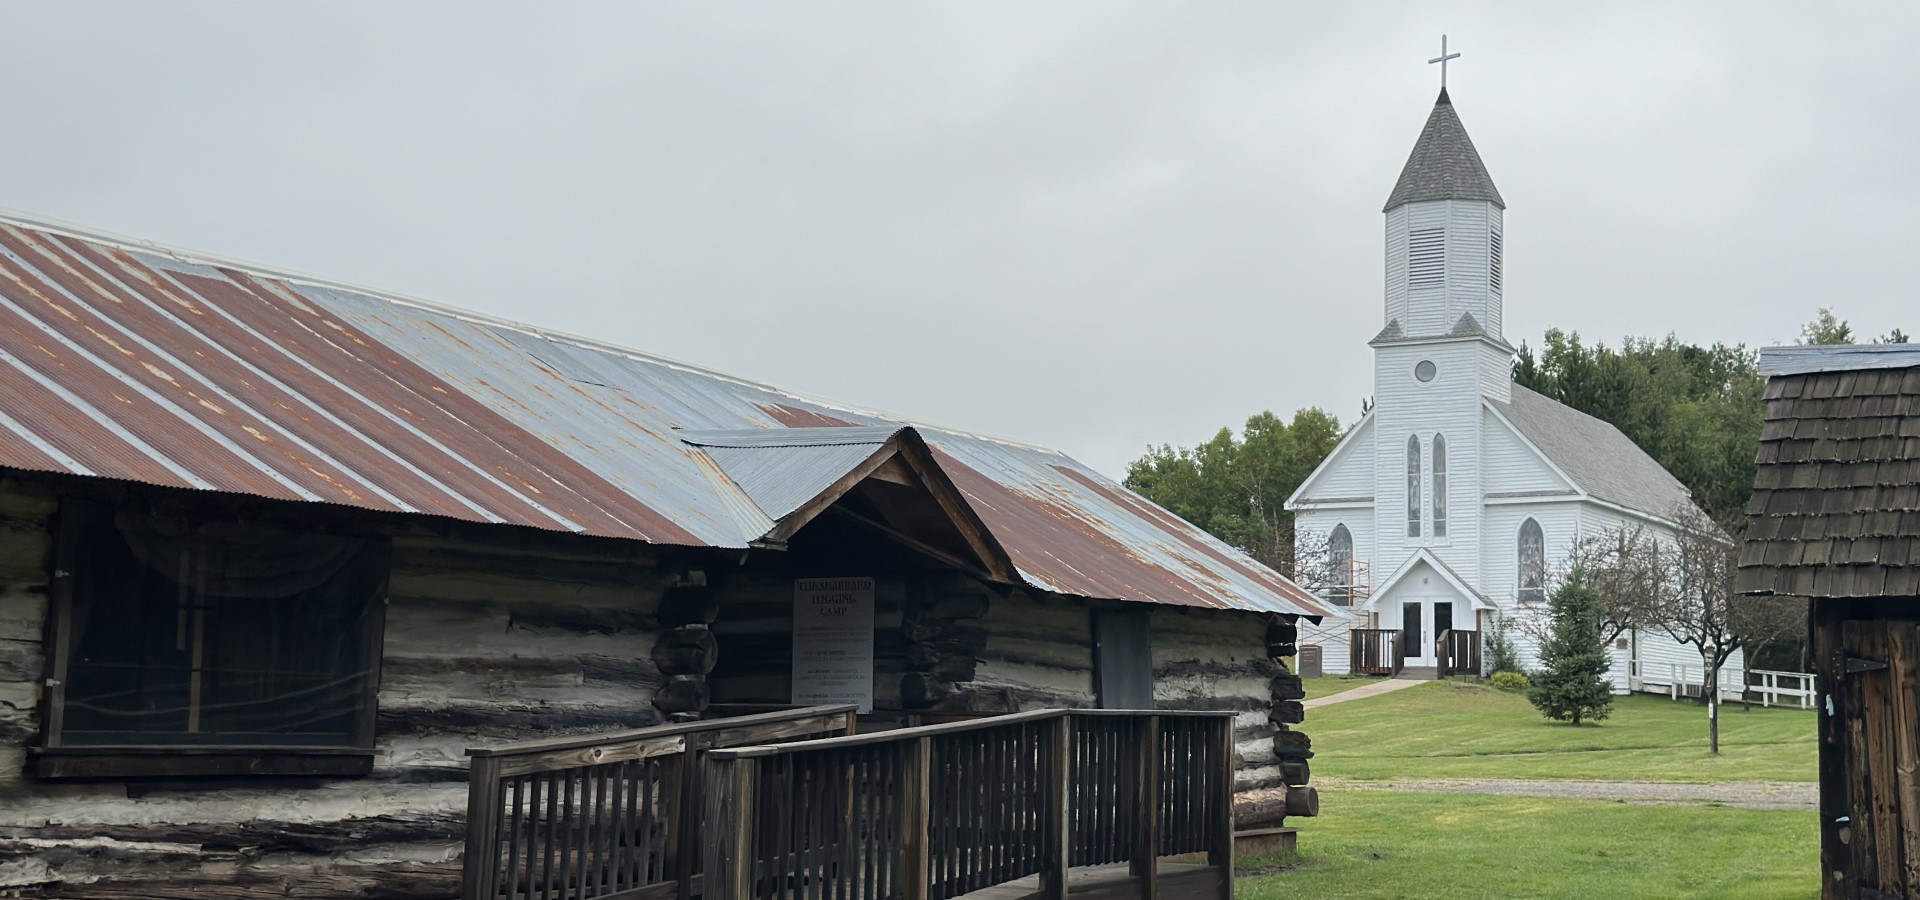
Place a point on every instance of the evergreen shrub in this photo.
(1571, 685)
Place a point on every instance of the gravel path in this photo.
(1741, 794)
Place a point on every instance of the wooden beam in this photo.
(1056, 843)
(1221, 853)
(916, 783)
(1146, 835)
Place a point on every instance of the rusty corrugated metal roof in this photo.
(130, 362)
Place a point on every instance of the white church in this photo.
(1456, 500)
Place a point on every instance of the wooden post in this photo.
(479, 869)
(742, 853)
(1837, 876)
(916, 809)
(682, 851)
(1146, 835)
(1221, 854)
(1056, 848)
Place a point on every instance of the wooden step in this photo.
(1419, 673)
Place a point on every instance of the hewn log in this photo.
(686, 651)
(1287, 686)
(1287, 712)
(1293, 745)
(918, 690)
(683, 694)
(1281, 631)
(955, 668)
(1274, 806)
(1303, 801)
(1295, 772)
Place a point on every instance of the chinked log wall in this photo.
(1039, 654)
(486, 641)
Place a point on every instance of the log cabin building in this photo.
(274, 552)
(1835, 519)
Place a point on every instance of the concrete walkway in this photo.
(1364, 691)
(1743, 794)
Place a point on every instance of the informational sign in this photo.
(833, 642)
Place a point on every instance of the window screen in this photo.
(188, 633)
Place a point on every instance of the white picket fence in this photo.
(1768, 688)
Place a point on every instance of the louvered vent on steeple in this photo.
(1493, 259)
(1426, 257)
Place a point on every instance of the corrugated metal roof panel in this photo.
(167, 368)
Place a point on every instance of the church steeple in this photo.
(1443, 164)
(1444, 239)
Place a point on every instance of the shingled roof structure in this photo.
(1444, 165)
(1835, 511)
(1600, 459)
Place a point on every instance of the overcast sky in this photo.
(1094, 225)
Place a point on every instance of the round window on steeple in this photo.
(1424, 370)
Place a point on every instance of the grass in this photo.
(1328, 685)
(1440, 846)
(1459, 729)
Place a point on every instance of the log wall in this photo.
(491, 635)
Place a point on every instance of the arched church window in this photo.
(1439, 486)
(1413, 486)
(1340, 561)
(1426, 257)
(1533, 563)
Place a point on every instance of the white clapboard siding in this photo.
(1348, 473)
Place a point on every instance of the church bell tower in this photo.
(1441, 355)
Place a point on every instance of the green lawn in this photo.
(1458, 729)
(1439, 846)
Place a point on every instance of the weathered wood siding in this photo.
(485, 640)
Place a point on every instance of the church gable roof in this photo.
(1444, 165)
(1602, 461)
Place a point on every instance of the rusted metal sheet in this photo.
(123, 362)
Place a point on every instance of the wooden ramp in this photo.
(1116, 882)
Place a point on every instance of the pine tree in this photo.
(1572, 686)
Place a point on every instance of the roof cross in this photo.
(1442, 60)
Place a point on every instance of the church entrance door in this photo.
(1415, 632)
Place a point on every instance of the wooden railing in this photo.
(606, 815)
(1458, 652)
(937, 811)
(1376, 651)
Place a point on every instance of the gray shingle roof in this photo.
(1601, 461)
(1835, 510)
(1444, 165)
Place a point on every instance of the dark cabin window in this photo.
(1340, 561)
(175, 633)
(1533, 563)
(1123, 658)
